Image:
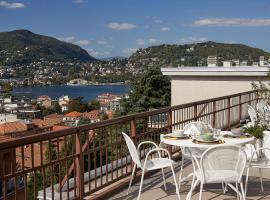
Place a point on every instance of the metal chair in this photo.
(149, 164)
(220, 164)
(260, 160)
(253, 116)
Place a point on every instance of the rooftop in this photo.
(216, 71)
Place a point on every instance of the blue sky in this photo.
(107, 28)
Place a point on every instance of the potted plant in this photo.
(257, 131)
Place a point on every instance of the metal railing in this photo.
(75, 162)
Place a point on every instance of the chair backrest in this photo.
(252, 115)
(196, 128)
(261, 105)
(225, 157)
(266, 144)
(132, 150)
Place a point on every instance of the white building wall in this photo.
(201, 83)
(190, 89)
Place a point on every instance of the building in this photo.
(261, 61)
(93, 116)
(244, 63)
(235, 62)
(212, 61)
(7, 118)
(106, 97)
(63, 103)
(115, 104)
(191, 84)
(44, 101)
(72, 118)
(227, 63)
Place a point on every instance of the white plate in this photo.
(208, 141)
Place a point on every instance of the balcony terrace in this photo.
(92, 161)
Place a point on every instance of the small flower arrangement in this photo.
(256, 130)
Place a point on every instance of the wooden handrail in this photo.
(61, 133)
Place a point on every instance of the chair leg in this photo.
(189, 195)
(164, 181)
(176, 185)
(181, 170)
(246, 184)
(141, 184)
(260, 171)
(223, 188)
(201, 189)
(242, 191)
(237, 190)
(132, 175)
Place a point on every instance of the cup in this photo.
(177, 133)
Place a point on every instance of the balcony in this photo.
(92, 161)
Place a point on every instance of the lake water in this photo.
(88, 92)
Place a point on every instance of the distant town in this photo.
(19, 115)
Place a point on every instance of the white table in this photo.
(188, 143)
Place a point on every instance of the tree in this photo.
(7, 87)
(150, 90)
(94, 105)
(77, 104)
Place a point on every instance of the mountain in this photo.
(193, 54)
(21, 46)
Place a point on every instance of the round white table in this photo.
(188, 143)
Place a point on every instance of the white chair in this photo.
(261, 107)
(253, 116)
(260, 159)
(149, 165)
(220, 164)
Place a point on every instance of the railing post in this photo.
(170, 128)
(170, 120)
(195, 114)
(240, 107)
(133, 130)
(79, 165)
(214, 114)
(229, 113)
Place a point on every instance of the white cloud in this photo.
(109, 46)
(11, 5)
(95, 53)
(102, 42)
(82, 42)
(164, 28)
(129, 51)
(78, 1)
(190, 40)
(157, 21)
(121, 26)
(231, 22)
(153, 41)
(69, 39)
(140, 42)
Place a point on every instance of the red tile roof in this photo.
(94, 115)
(54, 115)
(10, 127)
(73, 114)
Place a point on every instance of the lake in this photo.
(88, 92)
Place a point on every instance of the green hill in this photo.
(194, 54)
(22, 46)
